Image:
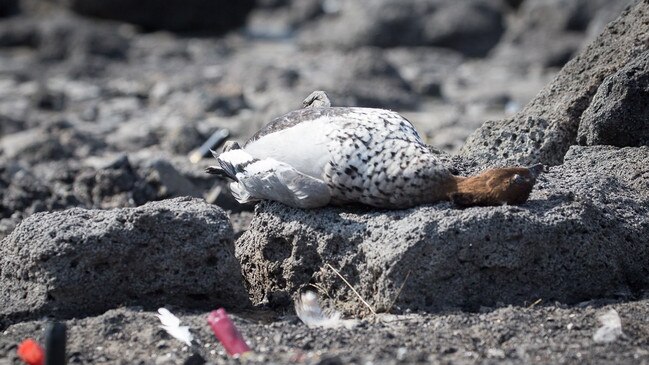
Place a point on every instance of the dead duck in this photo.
(322, 155)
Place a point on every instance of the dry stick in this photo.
(535, 303)
(399, 292)
(352, 288)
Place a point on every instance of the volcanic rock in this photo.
(619, 112)
(79, 262)
(582, 235)
(546, 128)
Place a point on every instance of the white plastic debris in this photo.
(309, 311)
(171, 324)
(611, 327)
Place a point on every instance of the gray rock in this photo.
(169, 182)
(58, 37)
(281, 19)
(78, 262)
(10, 125)
(18, 31)
(581, 235)
(546, 128)
(118, 182)
(363, 78)
(390, 23)
(25, 191)
(113, 185)
(55, 141)
(226, 102)
(182, 139)
(448, 26)
(49, 99)
(549, 33)
(619, 112)
(425, 68)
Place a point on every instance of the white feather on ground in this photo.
(309, 311)
(611, 327)
(171, 324)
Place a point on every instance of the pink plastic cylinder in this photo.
(227, 333)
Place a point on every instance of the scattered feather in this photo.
(309, 311)
(611, 327)
(171, 324)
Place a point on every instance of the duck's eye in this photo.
(518, 179)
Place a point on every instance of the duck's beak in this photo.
(536, 170)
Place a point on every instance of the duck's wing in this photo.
(257, 179)
(294, 118)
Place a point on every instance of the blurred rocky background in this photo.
(103, 102)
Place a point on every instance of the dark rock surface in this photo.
(104, 183)
(582, 235)
(545, 129)
(8, 7)
(619, 112)
(80, 262)
(193, 15)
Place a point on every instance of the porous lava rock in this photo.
(582, 235)
(80, 262)
(619, 112)
(546, 128)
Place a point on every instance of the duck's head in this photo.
(511, 185)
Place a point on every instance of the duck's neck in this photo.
(470, 184)
(510, 185)
(471, 190)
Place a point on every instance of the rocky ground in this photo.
(545, 334)
(103, 217)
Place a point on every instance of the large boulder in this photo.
(582, 235)
(546, 128)
(79, 262)
(619, 112)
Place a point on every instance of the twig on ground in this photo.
(535, 303)
(352, 288)
(399, 292)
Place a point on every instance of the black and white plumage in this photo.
(317, 156)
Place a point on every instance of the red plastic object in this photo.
(31, 352)
(227, 333)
